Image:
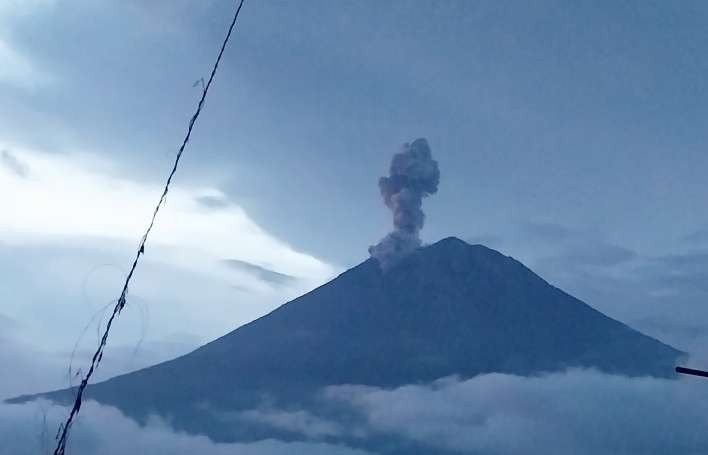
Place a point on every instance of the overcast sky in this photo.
(570, 135)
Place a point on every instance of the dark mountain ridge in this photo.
(446, 309)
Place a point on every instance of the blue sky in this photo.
(570, 135)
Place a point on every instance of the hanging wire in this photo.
(63, 433)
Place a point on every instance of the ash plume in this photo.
(413, 175)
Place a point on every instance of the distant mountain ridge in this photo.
(447, 309)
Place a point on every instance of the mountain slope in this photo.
(449, 308)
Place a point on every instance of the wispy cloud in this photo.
(78, 196)
(11, 162)
(18, 69)
(299, 422)
(260, 272)
(213, 201)
(72, 213)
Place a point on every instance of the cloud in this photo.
(212, 202)
(74, 212)
(52, 293)
(568, 247)
(78, 196)
(17, 69)
(590, 254)
(11, 162)
(687, 262)
(299, 422)
(72, 227)
(29, 429)
(549, 232)
(262, 273)
(579, 412)
(697, 237)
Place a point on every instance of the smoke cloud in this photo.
(413, 175)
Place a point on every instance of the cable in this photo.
(98, 355)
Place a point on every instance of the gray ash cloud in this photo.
(413, 175)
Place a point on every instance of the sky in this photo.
(570, 135)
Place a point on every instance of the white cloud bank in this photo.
(580, 412)
(63, 197)
(577, 412)
(29, 429)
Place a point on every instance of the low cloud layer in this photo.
(578, 412)
(299, 422)
(29, 429)
(582, 412)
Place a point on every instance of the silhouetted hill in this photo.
(449, 308)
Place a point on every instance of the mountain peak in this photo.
(449, 308)
(452, 262)
(452, 240)
(455, 245)
(452, 247)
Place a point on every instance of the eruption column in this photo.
(413, 175)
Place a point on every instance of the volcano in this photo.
(446, 309)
